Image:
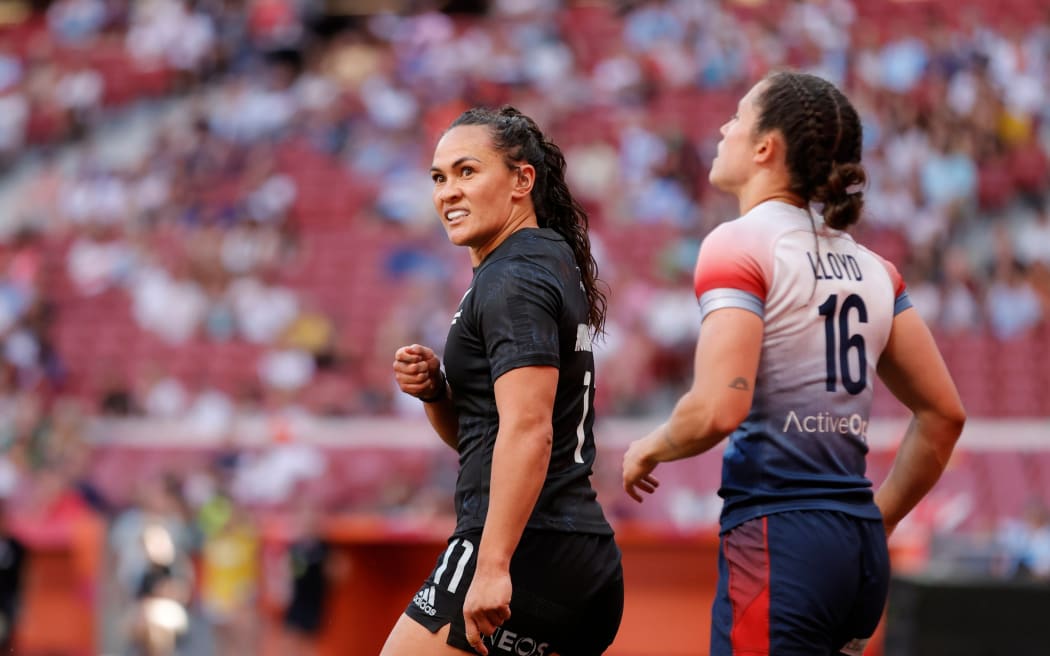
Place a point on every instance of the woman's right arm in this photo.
(418, 373)
(912, 368)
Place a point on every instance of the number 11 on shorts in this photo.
(464, 558)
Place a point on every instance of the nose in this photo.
(447, 193)
(725, 127)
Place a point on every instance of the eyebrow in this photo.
(457, 163)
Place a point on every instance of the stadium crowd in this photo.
(198, 221)
(213, 180)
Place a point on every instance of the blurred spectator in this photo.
(960, 308)
(116, 398)
(97, 262)
(167, 304)
(162, 395)
(12, 565)
(1032, 241)
(229, 573)
(263, 312)
(14, 115)
(210, 414)
(949, 176)
(312, 562)
(1012, 304)
(158, 503)
(76, 21)
(314, 332)
(160, 621)
(1026, 544)
(287, 370)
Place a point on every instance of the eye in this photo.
(466, 171)
(437, 178)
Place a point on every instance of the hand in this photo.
(637, 471)
(417, 371)
(486, 607)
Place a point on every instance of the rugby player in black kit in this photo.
(532, 568)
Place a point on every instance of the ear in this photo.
(525, 178)
(768, 147)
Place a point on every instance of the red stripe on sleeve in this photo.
(728, 260)
(895, 277)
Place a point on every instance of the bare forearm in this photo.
(692, 429)
(445, 421)
(519, 467)
(921, 458)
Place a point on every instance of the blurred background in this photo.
(216, 228)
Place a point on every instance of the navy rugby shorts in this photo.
(800, 583)
(567, 597)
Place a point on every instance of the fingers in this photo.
(649, 483)
(629, 489)
(414, 366)
(481, 623)
(414, 353)
(474, 636)
(632, 485)
(408, 355)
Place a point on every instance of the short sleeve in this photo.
(518, 316)
(729, 271)
(901, 301)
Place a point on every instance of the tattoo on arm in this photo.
(740, 384)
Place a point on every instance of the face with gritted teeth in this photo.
(474, 189)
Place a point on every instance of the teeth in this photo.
(455, 214)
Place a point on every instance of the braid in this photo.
(824, 140)
(838, 125)
(816, 160)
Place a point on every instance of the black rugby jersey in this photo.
(526, 306)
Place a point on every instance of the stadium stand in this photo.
(215, 218)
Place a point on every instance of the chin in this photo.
(716, 181)
(457, 237)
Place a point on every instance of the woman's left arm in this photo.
(726, 364)
(525, 400)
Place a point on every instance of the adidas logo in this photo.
(424, 600)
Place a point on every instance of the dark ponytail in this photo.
(824, 138)
(520, 140)
(842, 195)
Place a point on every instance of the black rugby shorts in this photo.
(567, 597)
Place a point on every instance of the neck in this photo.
(520, 219)
(785, 197)
(766, 186)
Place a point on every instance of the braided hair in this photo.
(824, 137)
(520, 140)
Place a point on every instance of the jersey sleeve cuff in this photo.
(531, 360)
(902, 303)
(725, 297)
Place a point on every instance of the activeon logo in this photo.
(825, 422)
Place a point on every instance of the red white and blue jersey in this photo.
(828, 305)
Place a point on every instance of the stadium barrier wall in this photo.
(670, 563)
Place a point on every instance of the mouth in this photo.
(451, 216)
